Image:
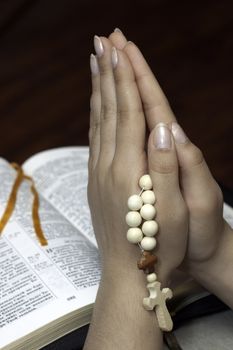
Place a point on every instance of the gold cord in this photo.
(12, 202)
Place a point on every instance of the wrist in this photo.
(119, 315)
(127, 270)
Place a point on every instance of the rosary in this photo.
(142, 230)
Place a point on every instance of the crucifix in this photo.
(157, 299)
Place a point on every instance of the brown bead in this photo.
(147, 262)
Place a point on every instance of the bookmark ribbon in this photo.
(12, 202)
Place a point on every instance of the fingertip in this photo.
(106, 42)
(133, 51)
(117, 30)
(189, 155)
(178, 133)
(121, 65)
(118, 39)
(94, 65)
(101, 44)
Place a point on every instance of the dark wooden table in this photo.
(45, 79)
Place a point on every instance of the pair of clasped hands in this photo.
(127, 100)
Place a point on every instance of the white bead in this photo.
(148, 243)
(145, 182)
(134, 235)
(148, 197)
(150, 228)
(151, 277)
(135, 202)
(148, 211)
(133, 218)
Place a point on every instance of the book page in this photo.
(61, 176)
(228, 214)
(40, 284)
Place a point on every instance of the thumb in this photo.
(198, 185)
(162, 162)
(171, 209)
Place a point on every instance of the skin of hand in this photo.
(117, 161)
(210, 238)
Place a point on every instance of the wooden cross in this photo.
(158, 299)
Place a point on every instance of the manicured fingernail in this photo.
(114, 57)
(162, 136)
(178, 133)
(118, 30)
(94, 65)
(98, 45)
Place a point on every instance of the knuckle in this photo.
(136, 109)
(95, 103)
(143, 77)
(118, 77)
(108, 110)
(94, 125)
(165, 167)
(125, 77)
(104, 68)
(91, 169)
(123, 116)
(92, 101)
(196, 156)
(99, 175)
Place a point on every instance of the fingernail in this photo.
(94, 65)
(162, 136)
(98, 45)
(118, 30)
(178, 133)
(114, 57)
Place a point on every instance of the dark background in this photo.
(45, 79)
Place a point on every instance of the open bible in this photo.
(49, 291)
(46, 292)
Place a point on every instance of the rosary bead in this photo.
(134, 235)
(135, 202)
(133, 219)
(145, 182)
(148, 197)
(148, 211)
(148, 243)
(150, 228)
(151, 277)
(147, 262)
